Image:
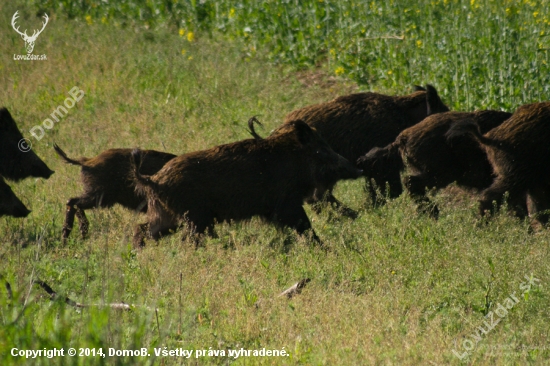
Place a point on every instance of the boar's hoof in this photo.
(348, 212)
(429, 209)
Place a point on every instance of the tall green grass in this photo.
(484, 53)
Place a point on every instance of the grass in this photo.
(395, 288)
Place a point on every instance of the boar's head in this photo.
(16, 161)
(326, 166)
(384, 165)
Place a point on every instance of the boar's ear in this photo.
(305, 133)
(419, 88)
(433, 102)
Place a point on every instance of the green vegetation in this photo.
(395, 287)
(485, 53)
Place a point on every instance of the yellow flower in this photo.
(88, 19)
(182, 32)
(332, 52)
(231, 13)
(318, 26)
(183, 52)
(535, 14)
(190, 57)
(339, 70)
(508, 11)
(419, 43)
(190, 36)
(104, 20)
(390, 72)
(542, 33)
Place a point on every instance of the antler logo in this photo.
(29, 41)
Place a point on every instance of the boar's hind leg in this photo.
(294, 216)
(540, 199)
(198, 225)
(416, 185)
(517, 198)
(154, 231)
(140, 232)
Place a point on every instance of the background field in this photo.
(395, 287)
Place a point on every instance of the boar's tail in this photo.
(378, 158)
(64, 156)
(251, 128)
(141, 181)
(463, 128)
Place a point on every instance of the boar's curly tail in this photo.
(469, 127)
(141, 181)
(64, 156)
(251, 128)
(378, 158)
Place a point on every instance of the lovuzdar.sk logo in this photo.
(29, 40)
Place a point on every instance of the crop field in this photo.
(394, 287)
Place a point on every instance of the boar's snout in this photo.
(347, 170)
(39, 169)
(20, 211)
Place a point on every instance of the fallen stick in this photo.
(295, 289)
(116, 306)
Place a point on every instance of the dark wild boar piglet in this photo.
(434, 161)
(16, 164)
(268, 177)
(107, 180)
(10, 205)
(354, 124)
(519, 153)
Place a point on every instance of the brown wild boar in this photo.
(268, 177)
(519, 153)
(16, 164)
(10, 205)
(354, 124)
(107, 180)
(435, 162)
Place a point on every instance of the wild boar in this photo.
(269, 178)
(107, 180)
(434, 161)
(17, 160)
(519, 154)
(354, 124)
(10, 205)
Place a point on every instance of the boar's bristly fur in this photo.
(432, 159)
(107, 180)
(354, 124)
(269, 178)
(519, 154)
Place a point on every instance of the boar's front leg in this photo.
(321, 197)
(76, 206)
(293, 215)
(416, 185)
